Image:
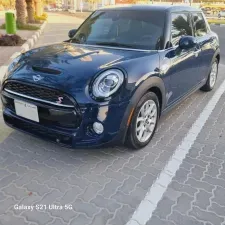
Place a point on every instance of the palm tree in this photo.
(30, 11)
(38, 5)
(20, 12)
(181, 24)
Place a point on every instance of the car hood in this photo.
(70, 67)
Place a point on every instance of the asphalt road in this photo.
(221, 32)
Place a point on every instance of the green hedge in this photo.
(44, 16)
(22, 27)
(216, 21)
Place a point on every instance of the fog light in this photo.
(98, 128)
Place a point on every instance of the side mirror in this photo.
(187, 42)
(72, 33)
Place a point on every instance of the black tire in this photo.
(208, 87)
(131, 139)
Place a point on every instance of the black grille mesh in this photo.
(46, 94)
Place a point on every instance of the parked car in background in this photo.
(111, 87)
(221, 14)
(49, 8)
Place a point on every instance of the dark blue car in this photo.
(113, 79)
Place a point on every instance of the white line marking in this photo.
(148, 205)
(2, 71)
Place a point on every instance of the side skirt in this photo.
(174, 104)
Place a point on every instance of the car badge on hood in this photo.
(37, 78)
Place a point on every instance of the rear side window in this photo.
(180, 26)
(200, 27)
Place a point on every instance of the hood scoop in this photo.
(46, 70)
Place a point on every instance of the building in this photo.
(59, 3)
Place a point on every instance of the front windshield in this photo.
(122, 28)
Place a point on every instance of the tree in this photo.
(49, 2)
(181, 25)
(20, 12)
(30, 11)
(38, 7)
(7, 4)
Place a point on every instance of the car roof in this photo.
(161, 8)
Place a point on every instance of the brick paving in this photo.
(57, 28)
(197, 193)
(104, 187)
(7, 51)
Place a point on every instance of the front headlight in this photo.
(14, 63)
(107, 83)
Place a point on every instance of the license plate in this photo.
(26, 110)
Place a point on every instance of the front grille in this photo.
(50, 116)
(41, 93)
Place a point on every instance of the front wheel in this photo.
(212, 77)
(144, 121)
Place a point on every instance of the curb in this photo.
(216, 24)
(25, 47)
(31, 41)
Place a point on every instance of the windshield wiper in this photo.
(114, 44)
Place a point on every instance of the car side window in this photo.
(180, 26)
(200, 27)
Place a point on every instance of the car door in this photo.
(180, 65)
(205, 40)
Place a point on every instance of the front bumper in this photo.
(77, 134)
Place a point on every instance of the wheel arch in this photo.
(215, 56)
(218, 57)
(153, 84)
(158, 93)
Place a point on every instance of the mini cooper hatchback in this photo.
(113, 79)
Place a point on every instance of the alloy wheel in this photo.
(146, 120)
(213, 74)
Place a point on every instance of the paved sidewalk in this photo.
(7, 51)
(196, 195)
(105, 186)
(57, 28)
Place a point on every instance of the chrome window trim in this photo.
(37, 99)
(168, 49)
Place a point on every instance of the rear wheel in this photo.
(212, 77)
(144, 121)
